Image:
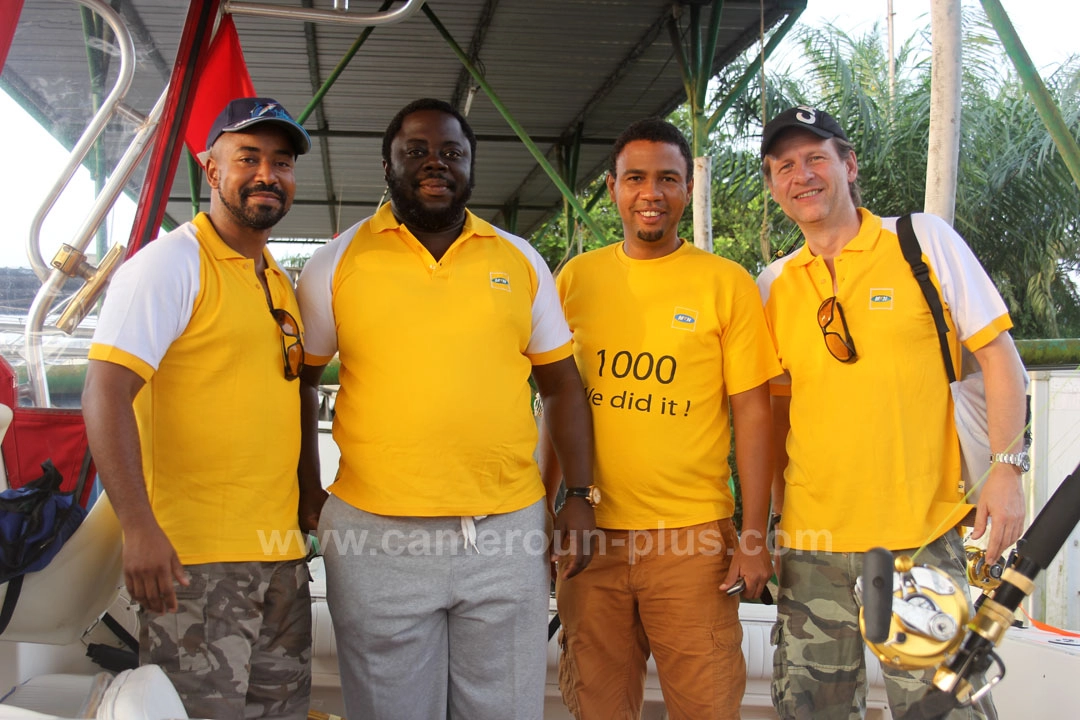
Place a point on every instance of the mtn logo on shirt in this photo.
(500, 281)
(684, 319)
(881, 298)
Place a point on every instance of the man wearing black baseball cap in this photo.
(871, 456)
(202, 468)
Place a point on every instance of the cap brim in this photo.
(301, 141)
(820, 132)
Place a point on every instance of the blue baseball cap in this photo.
(244, 113)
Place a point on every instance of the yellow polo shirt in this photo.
(873, 455)
(218, 422)
(661, 344)
(434, 415)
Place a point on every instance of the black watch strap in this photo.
(590, 494)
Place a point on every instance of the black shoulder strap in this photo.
(909, 245)
(84, 475)
(14, 587)
(121, 632)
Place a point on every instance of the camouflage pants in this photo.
(819, 668)
(239, 645)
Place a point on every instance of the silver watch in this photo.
(1020, 459)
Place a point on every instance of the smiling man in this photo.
(867, 452)
(667, 338)
(439, 319)
(191, 410)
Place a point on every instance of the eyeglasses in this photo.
(292, 349)
(841, 347)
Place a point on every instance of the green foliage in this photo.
(1016, 203)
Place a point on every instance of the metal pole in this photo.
(336, 72)
(943, 153)
(702, 206)
(541, 160)
(1044, 103)
(341, 17)
(890, 23)
(35, 323)
(126, 46)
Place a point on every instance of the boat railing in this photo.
(70, 262)
(339, 14)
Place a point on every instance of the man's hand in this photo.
(311, 504)
(1002, 502)
(751, 562)
(575, 528)
(150, 567)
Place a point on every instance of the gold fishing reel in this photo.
(983, 574)
(929, 617)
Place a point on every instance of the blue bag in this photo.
(35, 521)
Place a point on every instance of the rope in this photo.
(765, 247)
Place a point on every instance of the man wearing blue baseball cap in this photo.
(871, 456)
(193, 420)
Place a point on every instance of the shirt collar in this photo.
(869, 230)
(219, 249)
(384, 220)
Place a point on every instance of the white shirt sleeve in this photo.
(966, 289)
(549, 328)
(315, 294)
(151, 297)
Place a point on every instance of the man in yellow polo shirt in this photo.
(871, 455)
(668, 338)
(434, 534)
(191, 406)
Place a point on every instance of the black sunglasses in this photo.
(292, 349)
(841, 347)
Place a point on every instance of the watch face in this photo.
(594, 496)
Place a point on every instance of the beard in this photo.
(254, 215)
(653, 236)
(413, 212)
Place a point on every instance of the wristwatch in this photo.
(590, 494)
(1020, 459)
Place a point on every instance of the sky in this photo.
(1047, 28)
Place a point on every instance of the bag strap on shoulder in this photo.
(11, 598)
(909, 246)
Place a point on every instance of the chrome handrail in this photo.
(53, 279)
(125, 168)
(93, 130)
(340, 14)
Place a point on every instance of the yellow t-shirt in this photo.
(218, 422)
(434, 414)
(660, 345)
(873, 456)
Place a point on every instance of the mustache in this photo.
(450, 184)
(262, 188)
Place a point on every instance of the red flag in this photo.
(8, 20)
(224, 77)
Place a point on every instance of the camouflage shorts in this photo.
(819, 670)
(232, 617)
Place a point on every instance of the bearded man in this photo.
(434, 534)
(191, 413)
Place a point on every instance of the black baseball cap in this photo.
(816, 121)
(244, 113)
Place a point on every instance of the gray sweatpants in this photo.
(427, 628)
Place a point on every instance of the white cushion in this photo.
(144, 693)
(59, 694)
